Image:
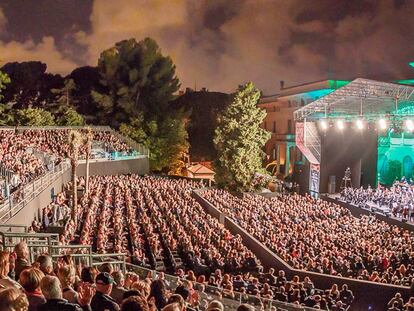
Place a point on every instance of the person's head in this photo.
(4, 263)
(183, 292)
(51, 288)
(157, 289)
(12, 299)
(106, 267)
(45, 264)
(104, 283)
(178, 299)
(21, 250)
(118, 278)
(142, 287)
(215, 305)
(66, 275)
(134, 303)
(88, 274)
(172, 307)
(30, 279)
(245, 307)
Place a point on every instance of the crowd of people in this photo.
(154, 219)
(398, 199)
(19, 162)
(44, 285)
(316, 235)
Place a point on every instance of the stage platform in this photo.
(382, 212)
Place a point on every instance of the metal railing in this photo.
(37, 243)
(48, 243)
(21, 197)
(208, 293)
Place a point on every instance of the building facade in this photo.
(281, 151)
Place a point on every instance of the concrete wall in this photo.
(134, 166)
(368, 295)
(31, 211)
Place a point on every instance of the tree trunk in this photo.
(74, 195)
(87, 173)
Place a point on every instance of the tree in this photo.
(4, 80)
(167, 138)
(33, 117)
(135, 77)
(74, 140)
(203, 109)
(71, 117)
(63, 96)
(30, 84)
(137, 83)
(239, 140)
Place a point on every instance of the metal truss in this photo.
(361, 97)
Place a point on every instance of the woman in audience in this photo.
(30, 281)
(12, 299)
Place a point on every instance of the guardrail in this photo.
(209, 293)
(37, 243)
(41, 243)
(9, 228)
(18, 200)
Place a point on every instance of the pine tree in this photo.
(239, 140)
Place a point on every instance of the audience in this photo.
(315, 235)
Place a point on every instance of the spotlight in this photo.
(383, 124)
(360, 124)
(324, 125)
(340, 124)
(409, 124)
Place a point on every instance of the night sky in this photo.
(220, 44)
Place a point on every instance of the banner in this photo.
(314, 176)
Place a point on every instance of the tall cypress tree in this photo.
(239, 140)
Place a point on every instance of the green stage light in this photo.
(411, 64)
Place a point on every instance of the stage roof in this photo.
(362, 97)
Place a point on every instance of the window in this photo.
(274, 108)
(274, 127)
(289, 124)
(265, 125)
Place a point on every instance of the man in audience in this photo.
(5, 280)
(118, 290)
(22, 258)
(102, 301)
(45, 264)
(52, 292)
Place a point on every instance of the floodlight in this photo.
(382, 124)
(340, 124)
(360, 124)
(324, 124)
(409, 124)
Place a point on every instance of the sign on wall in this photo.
(314, 177)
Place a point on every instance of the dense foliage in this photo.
(131, 89)
(137, 84)
(203, 109)
(239, 141)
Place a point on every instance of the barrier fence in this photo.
(18, 199)
(48, 243)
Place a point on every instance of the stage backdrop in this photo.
(348, 148)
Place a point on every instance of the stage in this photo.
(381, 212)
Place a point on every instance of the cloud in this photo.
(220, 44)
(44, 51)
